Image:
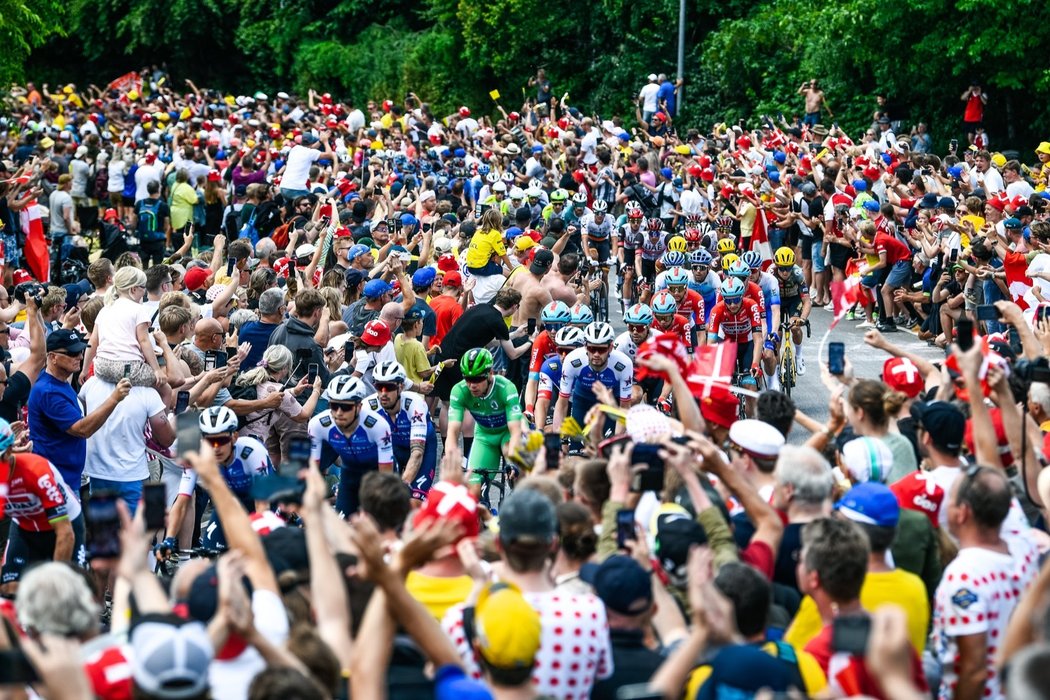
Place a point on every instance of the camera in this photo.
(32, 290)
(1037, 370)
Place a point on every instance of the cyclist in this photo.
(44, 510)
(639, 320)
(535, 197)
(597, 362)
(653, 246)
(578, 214)
(667, 319)
(725, 247)
(739, 269)
(515, 198)
(600, 243)
(705, 280)
(411, 429)
(499, 191)
(492, 401)
(737, 318)
(352, 433)
(556, 208)
(630, 239)
(692, 238)
(568, 339)
(553, 316)
(690, 304)
(668, 260)
(770, 289)
(581, 316)
(794, 298)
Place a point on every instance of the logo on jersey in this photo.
(245, 452)
(619, 366)
(49, 487)
(417, 417)
(373, 404)
(370, 421)
(964, 598)
(577, 363)
(326, 421)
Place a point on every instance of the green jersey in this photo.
(492, 412)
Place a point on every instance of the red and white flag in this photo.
(37, 258)
(1015, 266)
(712, 367)
(847, 293)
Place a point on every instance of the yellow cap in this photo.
(59, 121)
(998, 160)
(162, 116)
(133, 95)
(682, 149)
(185, 113)
(68, 89)
(1043, 148)
(507, 628)
(523, 243)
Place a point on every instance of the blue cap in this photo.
(860, 185)
(946, 203)
(377, 288)
(887, 158)
(621, 583)
(424, 277)
(871, 205)
(666, 172)
(459, 153)
(779, 157)
(870, 503)
(451, 683)
(624, 136)
(356, 251)
(537, 148)
(774, 175)
(513, 232)
(1012, 222)
(955, 171)
(678, 183)
(408, 220)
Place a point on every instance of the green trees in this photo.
(25, 25)
(744, 57)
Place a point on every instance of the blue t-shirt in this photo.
(666, 94)
(258, 334)
(53, 409)
(430, 319)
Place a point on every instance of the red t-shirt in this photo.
(847, 675)
(448, 312)
(894, 249)
(974, 109)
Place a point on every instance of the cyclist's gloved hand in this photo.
(774, 338)
(769, 345)
(165, 547)
(665, 405)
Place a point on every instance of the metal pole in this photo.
(681, 52)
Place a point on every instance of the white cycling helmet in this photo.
(347, 388)
(507, 176)
(600, 206)
(579, 198)
(517, 193)
(599, 333)
(217, 420)
(389, 372)
(492, 178)
(569, 337)
(499, 186)
(533, 192)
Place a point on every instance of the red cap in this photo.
(387, 105)
(448, 263)
(214, 176)
(464, 112)
(660, 117)
(448, 501)
(452, 279)
(109, 671)
(280, 266)
(342, 232)
(707, 175)
(110, 215)
(901, 374)
(19, 276)
(743, 142)
(195, 278)
(150, 157)
(919, 492)
(705, 161)
(871, 173)
(326, 98)
(376, 333)
(720, 407)
(694, 170)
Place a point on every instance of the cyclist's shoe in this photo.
(749, 382)
(800, 365)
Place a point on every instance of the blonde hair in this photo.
(124, 280)
(275, 360)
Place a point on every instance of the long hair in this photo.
(123, 280)
(275, 360)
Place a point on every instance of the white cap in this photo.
(282, 95)
(867, 459)
(757, 438)
(652, 77)
(305, 250)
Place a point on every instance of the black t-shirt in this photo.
(15, 397)
(476, 328)
(633, 663)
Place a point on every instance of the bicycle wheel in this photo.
(603, 302)
(787, 367)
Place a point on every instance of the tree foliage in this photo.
(25, 25)
(744, 57)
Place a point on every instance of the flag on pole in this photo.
(847, 293)
(37, 258)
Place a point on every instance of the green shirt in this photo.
(493, 411)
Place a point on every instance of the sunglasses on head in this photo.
(344, 406)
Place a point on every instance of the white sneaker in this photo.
(800, 365)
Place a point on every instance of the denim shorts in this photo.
(818, 257)
(900, 273)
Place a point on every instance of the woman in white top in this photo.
(115, 183)
(270, 376)
(120, 344)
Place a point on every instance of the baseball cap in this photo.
(354, 277)
(356, 251)
(65, 340)
(408, 220)
(523, 243)
(621, 583)
(1012, 222)
(870, 504)
(75, 291)
(646, 424)
(871, 205)
(452, 279)
(944, 423)
(928, 201)
(448, 501)
(867, 459)
(506, 628)
(901, 374)
(377, 288)
(527, 514)
(424, 277)
(676, 533)
(757, 438)
(919, 492)
(541, 262)
(171, 657)
(376, 333)
(448, 263)
(652, 77)
(305, 250)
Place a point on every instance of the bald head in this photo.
(208, 334)
(393, 313)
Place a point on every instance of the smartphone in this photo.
(954, 255)
(311, 372)
(298, 457)
(552, 443)
(230, 264)
(530, 326)
(16, 669)
(182, 402)
(988, 312)
(209, 361)
(953, 145)
(155, 502)
(849, 634)
(1042, 312)
(291, 265)
(964, 334)
(218, 359)
(651, 478)
(188, 431)
(127, 370)
(624, 527)
(837, 358)
(103, 526)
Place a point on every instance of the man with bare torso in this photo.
(815, 103)
(529, 281)
(559, 284)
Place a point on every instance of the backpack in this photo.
(149, 228)
(102, 182)
(645, 199)
(91, 185)
(280, 236)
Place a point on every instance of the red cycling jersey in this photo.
(680, 326)
(37, 496)
(738, 327)
(692, 307)
(754, 293)
(543, 347)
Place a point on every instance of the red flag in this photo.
(36, 252)
(846, 294)
(1017, 281)
(760, 238)
(712, 367)
(666, 344)
(128, 81)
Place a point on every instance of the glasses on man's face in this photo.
(699, 268)
(343, 407)
(387, 387)
(217, 441)
(598, 349)
(733, 301)
(476, 380)
(637, 328)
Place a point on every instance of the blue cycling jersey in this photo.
(578, 377)
(368, 445)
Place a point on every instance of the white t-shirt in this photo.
(1014, 529)
(588, 143)
(1040, 263)
(692, 202)
(115, 183)
(355, 120)
(116, 325)
(143, 176)
(117, 450)
(648, 96)
(300, 158)
(991, 181)
(1014, 189)
(81, 171)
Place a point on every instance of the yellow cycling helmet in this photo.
(728, 260)
(726, 245)
(784, 257)
(676, 244)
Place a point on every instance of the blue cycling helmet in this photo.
(581, 313)
(732, 288)
(638, 315)
(7, 436)
(676, 276)
(700, 257)
(483, 169)
(739, 268)
(556, 312)
(673, 258)
(753, 259)
(663, 303)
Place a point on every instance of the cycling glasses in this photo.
(476, 380)
(781, 268)
(599, 348)
(637, 328)
(387, 386)
(217, 441)
(676, 287)
(733, 300)
(344, 406)
(700, 268)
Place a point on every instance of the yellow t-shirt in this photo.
(412, 356)
(483, 245)
(183, 197)
(897, 587)
(978, 224)
(748, 213)
(438, 593)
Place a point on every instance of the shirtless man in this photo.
(558, 283)
(814, 103)
(529, 281)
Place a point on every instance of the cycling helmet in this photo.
(728, 260)
(700, 257)
(635, 213)
(784, 257)
(516, 193)
(476, 363)
(581, 313)
(738, 268)
(753, 259)
(638, 315)
(556, 312)
(676, 276)
(388, 372)
(732, 288)
(598, 333)
(7, 436)
(673, 258)
(726, 245)
(600, 206)
(533, 192)
(692, 235)
(677, 243)
(579, 199)
(663, 303)
(491, 178)
(499, 186)
(724, 223)
(217, 420)
(655, 225)
(347, 388)
(559, 195)
(569, 337)
(507, 176)
(484, 169)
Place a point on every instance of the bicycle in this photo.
(787, 370)
(502, 480)
(599, 297)
(745, 403)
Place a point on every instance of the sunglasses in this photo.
(219, 440)
(699, 268)
(733, 300)
(341, 406)
(602, 349)
(637, 328)
(476, 380)
(785, 268)
(674, 288)
(387, 386)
